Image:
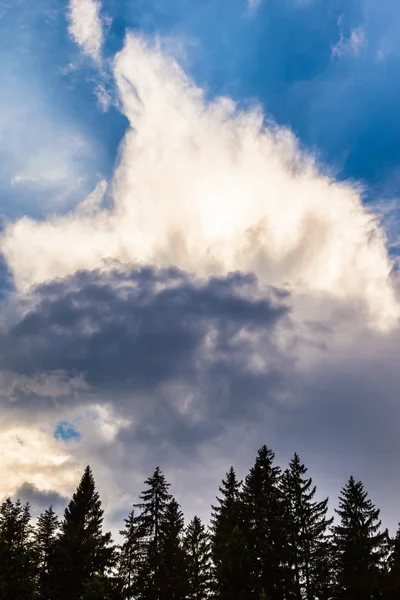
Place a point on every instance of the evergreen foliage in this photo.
(308, 535)
(18, 554)
(229, 546)
(358, 545)
(173, 582)
(153, 509)
(269, 539)
(46, 536)
(197, 546)
(83, 551)
(129, 556)
(266, 528)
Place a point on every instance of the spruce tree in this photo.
(46, 535)
(391, 578)
(229, 546)
(173, 581)
(197, 546)
(308, 536)
(18, 557)
(358, 545)
(129, 556)
(83, 551)
(153, 508)
(266, 518)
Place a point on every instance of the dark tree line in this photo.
(269, 539)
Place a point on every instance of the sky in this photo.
(199, 245)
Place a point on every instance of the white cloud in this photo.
(29, 453)
(351, 45)
(85, 26)
(103, 97)
(208, 188)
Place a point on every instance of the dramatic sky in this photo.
(199, 245)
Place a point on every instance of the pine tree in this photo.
(197, 546)
(129, 556)
(18, 558)
(391, 578)
(265, 513)
(46, 541)
(229, 547)
(358, 544)
(309, 547)
(83, 552)
(173, 582)
(153, 508)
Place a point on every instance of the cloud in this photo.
(351, 45)
(40, 500)
(54, 385)
(138, 332)
(85, 26)
(210, 189)
(29, 453)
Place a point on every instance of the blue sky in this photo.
(196, 276)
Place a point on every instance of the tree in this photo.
(229, 546)
(197, 547)
(83, 552)
(46, 542)
(265, 517)
(308, 540)
(173, 583)
(358, 544)
(391, 579)
(18, 558)
(129, 556)
(153, 508)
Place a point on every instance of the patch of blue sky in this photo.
(56, 141)
(66, 431)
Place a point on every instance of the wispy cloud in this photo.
(85, 26)
(253, 5)
(351, 44)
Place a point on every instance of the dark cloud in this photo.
(39, 499)
(179, 353)
(134, 329)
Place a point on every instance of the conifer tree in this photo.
(83, 551)
(308, 537)
(391, 576)
(173, 582)
(197, 546)
(266, 518)
(358, 544)
(129, 556)
(46, 533)
(229, 547)
(18, 558)
(153, 508)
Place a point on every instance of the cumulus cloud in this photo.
(210, 188)
(179, 361)
(85, 26)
